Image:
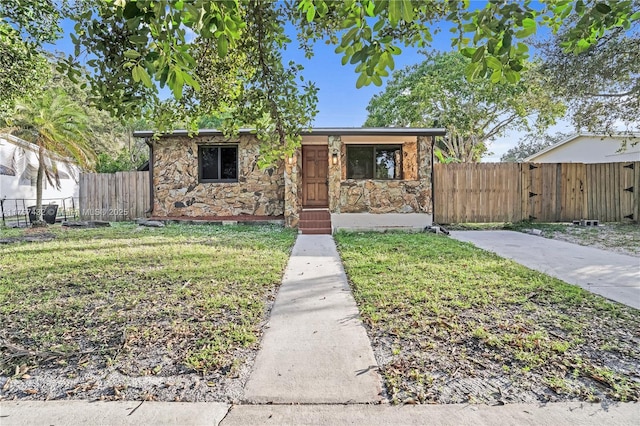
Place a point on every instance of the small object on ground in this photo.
(436, 229)
(589, 222)
(150, 223)
(85, 224)
(533, 231)
(75, 224)
(99, 223)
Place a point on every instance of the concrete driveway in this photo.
(614, 276)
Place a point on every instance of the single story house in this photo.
(591, 148)
(355, 178)
(19, 168)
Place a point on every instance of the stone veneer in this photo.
(177, 191)
(278, 191)
(293, 191)
(412, 194)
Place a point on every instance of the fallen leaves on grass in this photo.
(451, 323)
(144, 303)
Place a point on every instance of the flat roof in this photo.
(317, 131)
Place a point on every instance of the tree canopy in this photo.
(133, 45)
(531, 144)
(601, 85)
(23, 68)
(436, 93)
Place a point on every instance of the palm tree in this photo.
(57, 124)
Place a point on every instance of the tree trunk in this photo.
(39, 182)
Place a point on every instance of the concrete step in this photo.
(314, 224)
(316, 231)
(315, 215)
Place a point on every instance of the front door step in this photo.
(316, 221)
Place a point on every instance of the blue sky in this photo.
(341, 104)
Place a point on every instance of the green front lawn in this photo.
(147, 300)
(453, 323)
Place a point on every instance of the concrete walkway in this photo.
(59, 413)
(315, 349)
(614, 276)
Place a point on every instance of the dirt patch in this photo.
(618, 238)
(93, 380)
(445, 367)
(151, 376)
(35, 237)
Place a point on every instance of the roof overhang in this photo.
(318, 131)
(573, 137)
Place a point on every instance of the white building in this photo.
(590, 148)
(18, 172)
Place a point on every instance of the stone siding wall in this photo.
(384, 196)
(293, 191)
(412, 194)
(177, 191)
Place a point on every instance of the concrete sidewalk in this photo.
(315, 349)
(614, 276)
(122, 413)
(59, 413)
(455, 415)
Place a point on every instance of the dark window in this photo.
(218, 163)
(374, 162)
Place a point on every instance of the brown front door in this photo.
(315, 164)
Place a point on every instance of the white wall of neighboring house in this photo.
(589, 148)
(18, 171)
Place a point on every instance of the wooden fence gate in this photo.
(554, 192)
(114, 197)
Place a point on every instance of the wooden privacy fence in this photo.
(554, 192)
(114, 196)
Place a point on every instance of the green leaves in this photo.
(311, 13)
(493, 62)
(362, 80)
(478, 55)
(140, 74)
(131, 10)
(512, 76)
(223, 45)
(603, 8)
(473, 70)
(496, 76)
(131, 54)
(528, 28)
